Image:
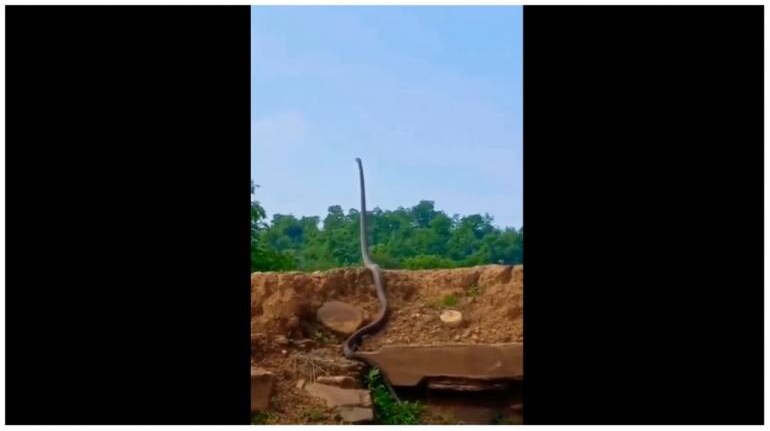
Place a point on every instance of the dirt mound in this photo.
(489, 297)
(289, 341)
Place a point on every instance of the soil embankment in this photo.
(290, 341)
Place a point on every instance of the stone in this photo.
(340, 317)
(451, 318)
(281, 340)
(300, 383)
(356, 414)
(408, 365)
(262, 384)
(339, 381)
(335, 396)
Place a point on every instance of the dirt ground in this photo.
(288, 341)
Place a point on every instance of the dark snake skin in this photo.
(354, 341)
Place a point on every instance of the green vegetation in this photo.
(261, 418)
(450, 301)
(313, 415)
(263, 257)
(387, 410)
(419, 237)
(324, 337)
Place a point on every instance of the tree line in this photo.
(419, 237)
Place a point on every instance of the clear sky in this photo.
(430, 98)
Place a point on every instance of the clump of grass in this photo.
(388, 411)
(313, 415)
(261, 418)
(473, 291)
(450, 301)
(323, 337)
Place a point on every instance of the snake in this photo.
(350, 345)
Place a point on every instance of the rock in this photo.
(451, 318)
(262, 383)
(300, 383)
(281, 340)
(339, 381)
(356, 414)
(336, 397)
(408, 365)
(340, 317)
(284, 352)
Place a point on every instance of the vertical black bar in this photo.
(643, 146)
(127, 297)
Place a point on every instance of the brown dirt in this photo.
(283, 308)
(290, 404)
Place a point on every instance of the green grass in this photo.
(261, 418)
(322, 337)
(313, 415)
(387, 410)
(450, 300)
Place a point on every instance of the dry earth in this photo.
(288, 340)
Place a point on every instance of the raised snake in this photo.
(350, 345)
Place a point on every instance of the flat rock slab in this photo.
(262, 383)
(340, 316)
(335, 396)
(409, 365)
(356, 414)
(340, 381)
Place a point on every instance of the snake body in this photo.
(350, 345)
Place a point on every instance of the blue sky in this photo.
(430, 98)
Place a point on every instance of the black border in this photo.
(128, 160)
(643, 203)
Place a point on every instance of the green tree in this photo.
(264, 258)
(414, 238)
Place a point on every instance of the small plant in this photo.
(313, 415)
(261, 418)
(450, 300)
(322, 337)
(388, 410)
(473, 291)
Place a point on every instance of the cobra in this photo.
(350, 345)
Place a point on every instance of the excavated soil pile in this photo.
(489, 297)
(289, 341)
